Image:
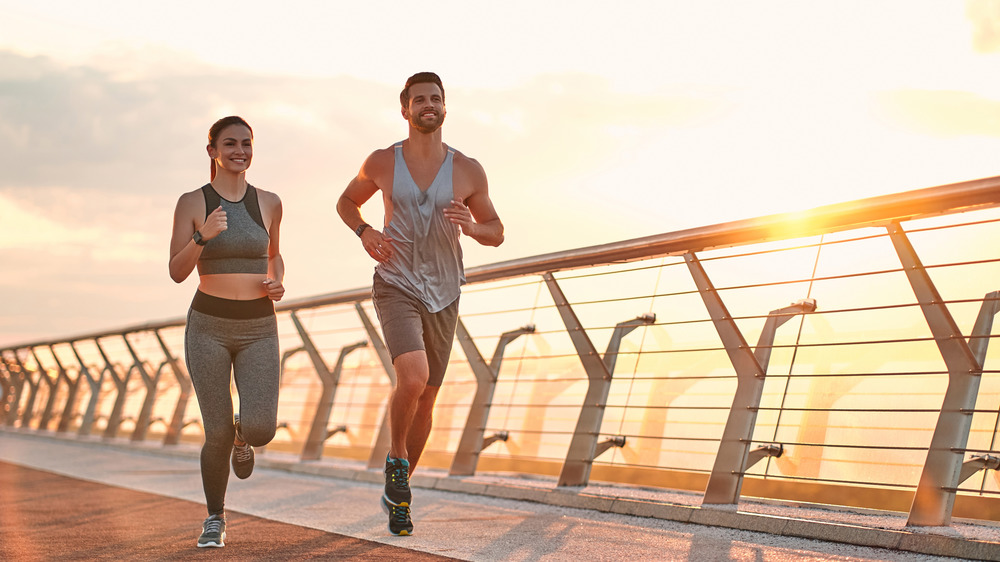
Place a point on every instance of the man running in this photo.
(431, 193)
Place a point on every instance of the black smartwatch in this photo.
(361, 228)
(198, 239)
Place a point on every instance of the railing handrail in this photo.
(872, 211)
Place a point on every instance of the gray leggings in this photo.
(213, 347)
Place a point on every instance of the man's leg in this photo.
(411, 380)
(420, 428)
(439, 335)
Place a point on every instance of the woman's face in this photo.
(233, 150)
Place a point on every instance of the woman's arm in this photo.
(184, 253)
(275, 263)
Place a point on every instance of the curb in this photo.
(937, 541)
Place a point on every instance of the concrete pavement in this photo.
(494, 518)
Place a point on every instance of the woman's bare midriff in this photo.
(234, 286)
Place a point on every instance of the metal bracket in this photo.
(616, 441)
(498, 436)
(764, 451)
(977, 463)
(331, 432)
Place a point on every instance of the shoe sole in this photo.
(385, 507)
(213, 544)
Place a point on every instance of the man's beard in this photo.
(427, 127)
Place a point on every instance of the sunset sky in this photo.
(595, 122)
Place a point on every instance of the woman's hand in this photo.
(275, 290)
(215, 223)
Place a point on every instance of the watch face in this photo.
(198, 239)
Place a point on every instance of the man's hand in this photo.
(378, 246)
(461, 216)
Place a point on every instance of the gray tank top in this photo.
(427, 257)
(242, 247)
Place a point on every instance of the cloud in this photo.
(943, 113)
(985, 17)
(96, 156)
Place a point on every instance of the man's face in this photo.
(425, 111)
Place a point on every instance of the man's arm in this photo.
(357, 193)
(475, 215)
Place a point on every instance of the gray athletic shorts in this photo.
(408, 326)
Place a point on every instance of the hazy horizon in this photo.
(649, 118)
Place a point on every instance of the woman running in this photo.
(228, 229)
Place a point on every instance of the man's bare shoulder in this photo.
(469, 167)
(380, 160)
(464, 159)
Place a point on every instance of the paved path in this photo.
(45, 516)
(116, 501)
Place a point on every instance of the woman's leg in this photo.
(256, 371)
(209, 364)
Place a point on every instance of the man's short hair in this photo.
(419, 78)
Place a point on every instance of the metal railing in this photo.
(631, 362)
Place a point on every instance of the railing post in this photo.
(14, 390)
(72, 386)
(6, 389)
(95, 392)
(176, 424)
(383, 439)
(934, 499)
(318, 432)
(121, 386)
(150, 382)
(28, 411)
(734, 456)
(50, 401)
(583, 446)
(471, 443)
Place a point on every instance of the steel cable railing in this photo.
(652, 361)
